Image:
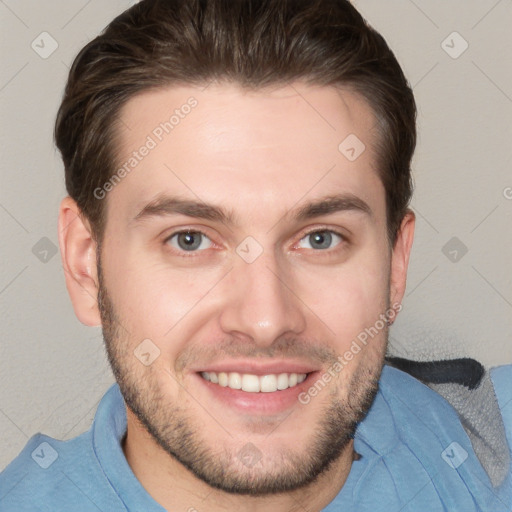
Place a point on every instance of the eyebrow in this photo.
(333, 204)
(174, 205)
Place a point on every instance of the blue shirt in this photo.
(415, 457)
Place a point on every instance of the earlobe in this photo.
(78, 253)
(400, 257)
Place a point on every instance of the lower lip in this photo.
(259, 403)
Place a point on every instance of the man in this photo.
(237, 221)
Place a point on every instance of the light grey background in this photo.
(53, 370)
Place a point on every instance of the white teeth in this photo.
(223, 379)
(268, 383)
(282, 381)
(254, 383)
(235, 381)
(250, 383)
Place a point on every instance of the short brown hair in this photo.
(254, 43)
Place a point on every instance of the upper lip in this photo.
(256, 367)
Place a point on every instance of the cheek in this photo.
(349, 299)
(154, 300)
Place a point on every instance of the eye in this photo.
(189, 241)
(322, 240)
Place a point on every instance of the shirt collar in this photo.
(108, 430)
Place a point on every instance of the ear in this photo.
(400, 257)
(78, 253)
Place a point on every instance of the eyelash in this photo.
(185, 254)
(189, 254)
(329, 251)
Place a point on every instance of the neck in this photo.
(174, 487)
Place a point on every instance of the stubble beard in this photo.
(179, 434)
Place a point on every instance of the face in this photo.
(244, 256)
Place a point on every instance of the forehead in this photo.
(245, 148)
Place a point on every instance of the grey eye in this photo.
(320, 240)
(190, 241)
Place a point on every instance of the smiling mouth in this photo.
(251, 383)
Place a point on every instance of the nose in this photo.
(260, 302)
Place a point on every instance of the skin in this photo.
(259, 155)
